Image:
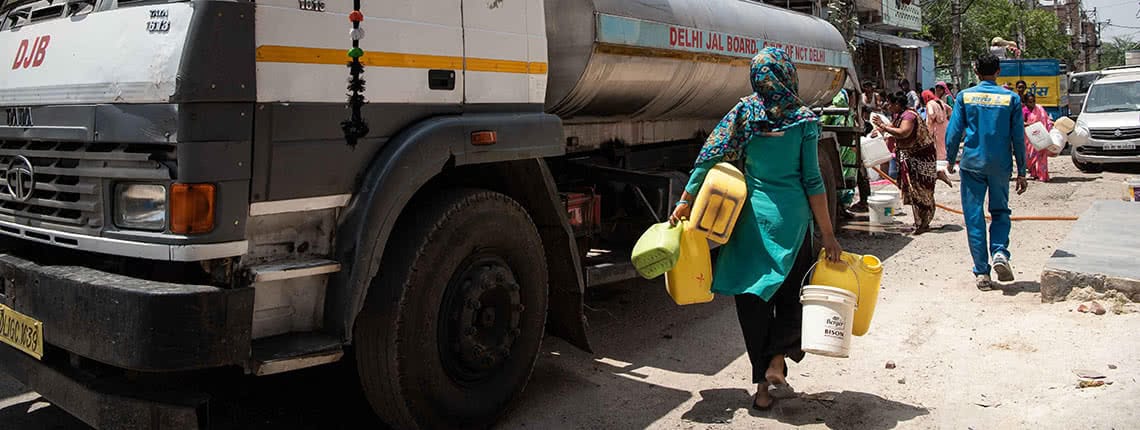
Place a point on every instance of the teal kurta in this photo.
(781, 172)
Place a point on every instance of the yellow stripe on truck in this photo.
(300, 55)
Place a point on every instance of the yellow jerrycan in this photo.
(860, 274)
(719, 203)
(690, 281)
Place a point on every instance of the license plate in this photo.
(22, 332)
(1119, 146)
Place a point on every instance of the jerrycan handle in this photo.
(858, 285)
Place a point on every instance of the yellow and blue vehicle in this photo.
(1046, 78)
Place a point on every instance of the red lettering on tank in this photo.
(23, 49)
(31, 52)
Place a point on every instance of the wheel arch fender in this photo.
(430, 152)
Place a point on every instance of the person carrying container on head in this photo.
(988, 121)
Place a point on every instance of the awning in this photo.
(890, 40)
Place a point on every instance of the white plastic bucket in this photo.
(882, 209)
(827, 319)
(874, 150)
(895, 195)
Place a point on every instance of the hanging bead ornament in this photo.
(355, 127)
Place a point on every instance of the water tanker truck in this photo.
(425, 186)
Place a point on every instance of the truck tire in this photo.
(454, 320)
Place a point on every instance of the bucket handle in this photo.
(858, 285)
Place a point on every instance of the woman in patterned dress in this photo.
(917, 158)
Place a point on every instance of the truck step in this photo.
(294, 351)
(293, 269)
(608, 267)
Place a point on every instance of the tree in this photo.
(985, 19)
(842, 14)
(1112, 53)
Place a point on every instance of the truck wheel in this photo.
(453, 322)
(1086, 167)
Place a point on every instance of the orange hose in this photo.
(959, 211)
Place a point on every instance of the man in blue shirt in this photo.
(987, 119)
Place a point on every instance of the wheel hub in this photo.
(484, 305)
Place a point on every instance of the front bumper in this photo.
(127, 322)
(1094, 153)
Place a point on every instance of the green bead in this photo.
(355, 53)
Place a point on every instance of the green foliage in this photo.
(1112, 53)
(842, 14)
(986, 19)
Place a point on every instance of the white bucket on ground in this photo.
(882, 209)
(828, 315)
(895, 195)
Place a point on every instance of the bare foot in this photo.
(762, 400)
(775, 373)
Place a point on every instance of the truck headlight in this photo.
(140, 206)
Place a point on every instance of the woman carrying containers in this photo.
(769, 251)
(917, 160)
(1038, 159)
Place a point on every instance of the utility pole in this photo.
(956, 28)
(1021, 25)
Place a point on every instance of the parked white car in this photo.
(1108, 129)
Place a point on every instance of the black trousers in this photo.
(773, 328)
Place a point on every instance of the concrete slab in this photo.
(1102, 251)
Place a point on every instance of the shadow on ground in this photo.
(1019, 287)
(845, 410)
(37, 414)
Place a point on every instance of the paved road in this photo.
(964, 358)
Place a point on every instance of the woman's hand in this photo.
(831, 246)
(877, 121)
(681, 212)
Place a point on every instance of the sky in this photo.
(1121, 12)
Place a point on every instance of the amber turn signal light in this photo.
(192, 208)
(484, 138)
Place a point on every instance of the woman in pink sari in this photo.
(937, 118)
(1038, 160)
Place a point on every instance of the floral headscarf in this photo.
(774, 106)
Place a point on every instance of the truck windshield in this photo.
(1080, 84)
(1114, 97)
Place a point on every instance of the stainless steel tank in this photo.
(662, 60)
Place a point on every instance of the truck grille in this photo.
(1126, 133)
(70, 179)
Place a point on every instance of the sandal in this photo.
(757, 406)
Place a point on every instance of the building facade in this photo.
(1083, 32)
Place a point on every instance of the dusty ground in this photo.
(965, 359)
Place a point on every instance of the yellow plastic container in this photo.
(860, 274)
(690, 281)
(719, 203)
(657, 251)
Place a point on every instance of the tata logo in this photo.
(31, 52)
(20, 117)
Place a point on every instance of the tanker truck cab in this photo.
(428, 186)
